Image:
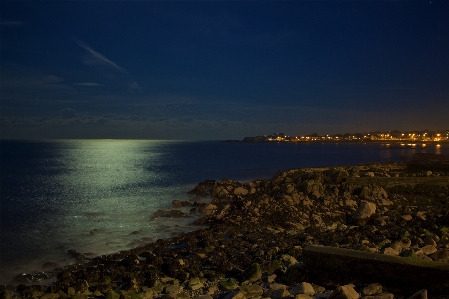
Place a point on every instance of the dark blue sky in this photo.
(221, 69)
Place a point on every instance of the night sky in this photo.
(221, 69)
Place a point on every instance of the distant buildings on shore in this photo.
(395, 135)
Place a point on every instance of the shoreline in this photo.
(270, 223)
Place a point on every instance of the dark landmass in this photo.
(395, 136)
(373, 231)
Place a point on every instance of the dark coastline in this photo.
(259, 232)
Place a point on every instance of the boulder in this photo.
(363, 213)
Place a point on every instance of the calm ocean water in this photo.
(54, 193)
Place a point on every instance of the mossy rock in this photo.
(112, 295)
(194, 280)
(209, 248)
(406, 234)
(273, 267)
(228, 285)
(134, 295)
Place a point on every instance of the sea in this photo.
(98, 196)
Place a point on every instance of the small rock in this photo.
(421, 294)
(288, 260)
(407, 217)
(440, 255)
(344, 292)
(303, 288)
(173, 289)
(390, 251)
(428, 249)
(251, 291)
(278, 291)
(372, 289)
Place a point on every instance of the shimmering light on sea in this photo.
(94, 196)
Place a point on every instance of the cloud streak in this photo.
(97, 58)
(100, 57)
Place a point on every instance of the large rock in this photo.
(363, 213)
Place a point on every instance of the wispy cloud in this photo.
(100, 57)
(96, 58)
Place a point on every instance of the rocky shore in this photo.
(265, 238)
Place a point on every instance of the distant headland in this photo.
(395, 135)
